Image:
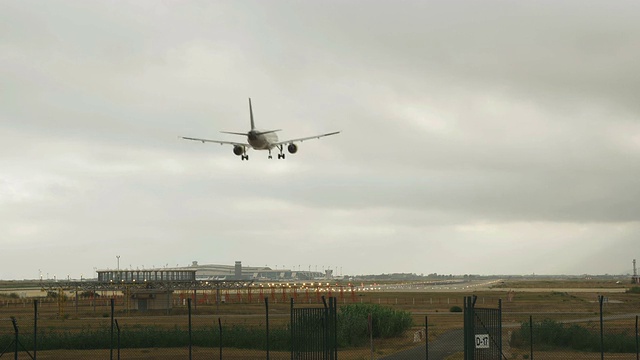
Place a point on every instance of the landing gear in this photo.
(244, 157)
(270, 157)
(281, 155)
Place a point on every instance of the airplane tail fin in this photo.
(253, 126)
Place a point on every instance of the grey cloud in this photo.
(513, 125)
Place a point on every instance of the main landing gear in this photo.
(280, 155)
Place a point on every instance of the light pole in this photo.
(118, 257)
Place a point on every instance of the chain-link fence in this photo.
(257, 331)
(612, 337)
(540, 339)
(242, 333)
(185, 336)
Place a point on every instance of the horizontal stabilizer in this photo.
(267, 132)
(234, 133)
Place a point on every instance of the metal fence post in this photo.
(293, 327)
(220, 337)
(35, 329)
(464, 330)
(111, 344)
(370, 328)
(118, 328)
(601, 300)
(468, 328)
(500, 324)
(426, 337)
(531, 335)
(637, 348)
(325, 331)
(189, 311)
(17, 340)
(266, 310)
(335, 328)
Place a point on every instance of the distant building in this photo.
(150, 299)
(195, 271)
(239, 272)
(139, 276)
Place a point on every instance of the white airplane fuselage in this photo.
(262, 141)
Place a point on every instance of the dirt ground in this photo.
(518, 303)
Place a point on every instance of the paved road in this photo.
(445, 345)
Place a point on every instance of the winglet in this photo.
(253, 126)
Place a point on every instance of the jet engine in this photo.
(238, 150)
(293, 148)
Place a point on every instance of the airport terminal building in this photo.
(263, 273)
(235, 272)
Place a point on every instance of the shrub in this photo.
(353, 324)
(633, 290)
(550, 334)
(137, 336)
(11, 295)
(455, 309)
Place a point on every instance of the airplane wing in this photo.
(217, 141)
(305, 138)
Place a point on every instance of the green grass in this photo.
(549, 334)
(353, 324)
(236, 336)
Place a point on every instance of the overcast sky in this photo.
(483, 137)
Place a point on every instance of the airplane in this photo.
(261, 140)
